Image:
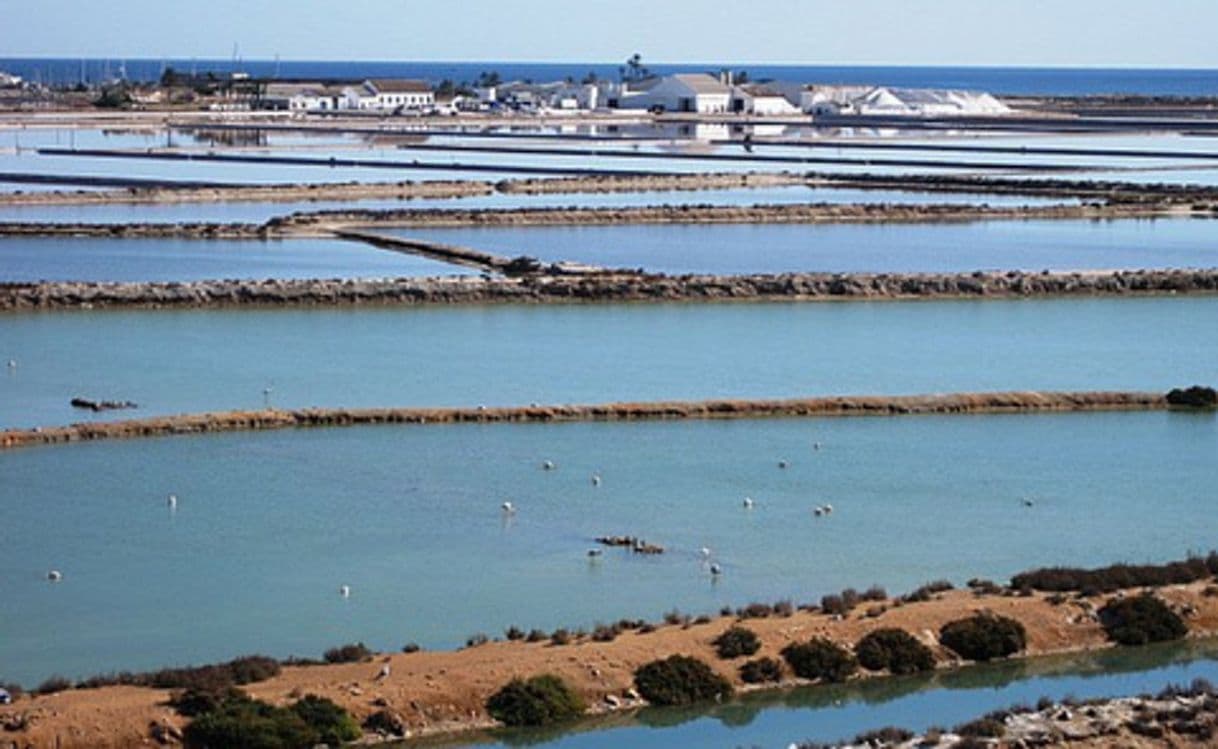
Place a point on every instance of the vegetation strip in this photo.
(229, 421)
(608, 287)
(538, 681)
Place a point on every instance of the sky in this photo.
(1112, 33)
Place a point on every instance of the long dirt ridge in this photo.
(444, 692)
(838, 406)
(604, 287)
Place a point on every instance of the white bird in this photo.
(595, 552)
(828, 509)
(12, 363)
(782, 464)
(508, 507)
(748, 503)
(818, 511)
(1028, 503)
(715, 569)
(547, 465)
(54, 576)
(815, 445)
(705, 552)
(344, 591)
(172, 501)
(384, 672)
(596, 479)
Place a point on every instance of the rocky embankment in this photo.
(228, 421)
(169, 193)
(796, 213)
(649, 183)
(1180, 718)
(602, 287)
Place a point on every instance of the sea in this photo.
(1000, 80)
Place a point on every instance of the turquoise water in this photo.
(30, 259)
(841, 712)
(778, 248)
(200, 360)
(268, 526)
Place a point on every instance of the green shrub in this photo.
(735, 642)
(894, 650)
(1140, 620)
(984, 637)
(194, 701)
(538, 701)
(1116, 576)
(988, 727)
(927, 591)
(353, 653)
(679, 680)
(333, 725)
(761, 671)
(1197, 396)
(820, 659)
(249, 724)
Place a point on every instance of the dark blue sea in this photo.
(1060, 81)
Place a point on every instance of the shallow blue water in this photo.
(778, 248)
(268, 526)
(831, 714)
(92, 259)
(202, 360)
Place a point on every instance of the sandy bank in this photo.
(229, 421)
(253, 193)
(602, 288)
(441, 692)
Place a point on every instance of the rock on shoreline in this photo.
(607, 287)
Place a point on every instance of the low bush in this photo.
(834, 605)
(784, 608)
(213, 677)
(54, 684)
(755, 610)
(761, 671)
(887, 736)
(679, 680)
(352, 653)
(539, 701)
(1141, 620)
(536, 635)
(875, 593)
(237, 720)
(560, 637)
(927, 591)
(194, 701)
(820, 659)
(736, 642)
(1197, 396)
(981, 728)
(411, 647)
(893, 650)
(605, 632)
(477, 640)
(514, 633)
(333, 725)
(984, 637)
(1117, 576)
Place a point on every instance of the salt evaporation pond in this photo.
(32, 259)
(267, 526)
(205, 360)
(849, 248)
(837, 713)
(259, 212)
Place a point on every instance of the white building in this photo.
(302, 97)
(684, 92)
(761, 99)
(388, 95)
(830, 100)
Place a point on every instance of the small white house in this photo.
(684, 92)
(759, 99)
(401, 94)
(831, 100)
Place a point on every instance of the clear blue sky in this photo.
(1171, 33)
